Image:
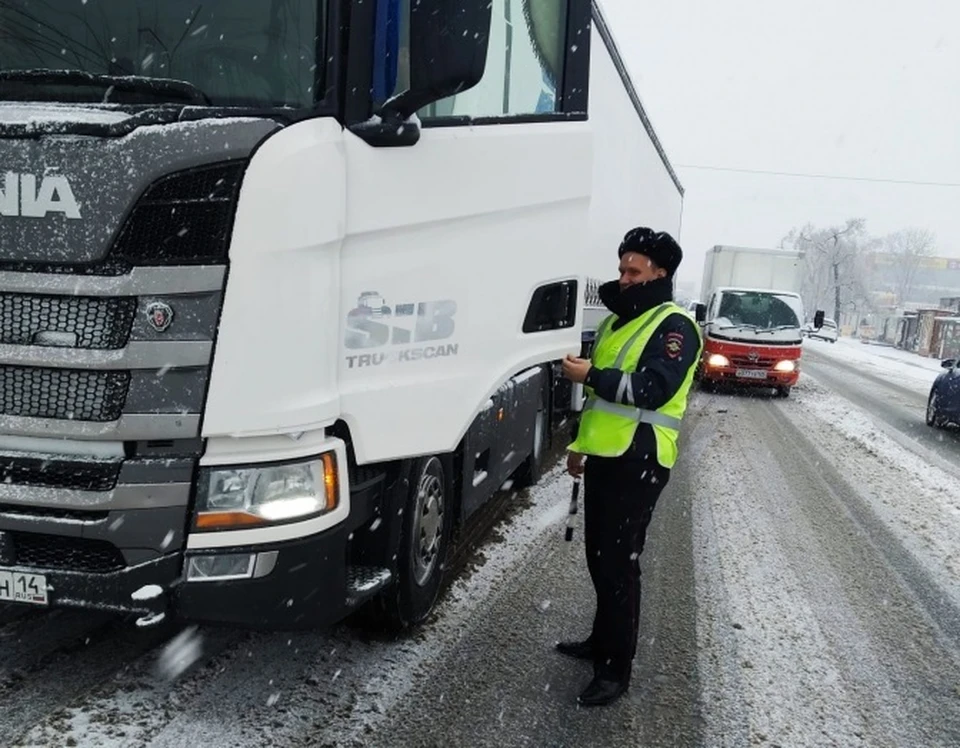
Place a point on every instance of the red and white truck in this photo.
(752, 318)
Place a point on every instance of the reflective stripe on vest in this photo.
(639, 415)
(607, 429)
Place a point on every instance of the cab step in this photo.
(366, 581)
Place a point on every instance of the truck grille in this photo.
(91, 323)
(65, 394)
(46, 512)
(742, 362)
(183, 218)
(72, 554)
(76, 475)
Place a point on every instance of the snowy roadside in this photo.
(333, 688)
(898, 367)
(913, 497)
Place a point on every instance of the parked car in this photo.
(828, 332)
(943, 405)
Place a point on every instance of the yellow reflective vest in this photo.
(607, 429)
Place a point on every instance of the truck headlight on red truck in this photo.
(786, 367)
(718, 361)
(249, 497)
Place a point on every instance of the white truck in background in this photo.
(746, 267)
(284, 294)
(752, 317)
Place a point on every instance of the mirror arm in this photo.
(387, 129)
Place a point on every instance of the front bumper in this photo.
(113, 592)
(307, 585)
(731, 375)
(310, 581)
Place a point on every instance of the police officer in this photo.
(637, 381)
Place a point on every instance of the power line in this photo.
(819, 176)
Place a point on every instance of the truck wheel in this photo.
(532, 469)
(425, 536)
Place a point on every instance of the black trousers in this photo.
(620, 495)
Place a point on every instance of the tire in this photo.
(532, 469)
(783, 392)
(933, 415)
(424, 541)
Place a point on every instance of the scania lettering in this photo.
(22, 197)
(284, 288)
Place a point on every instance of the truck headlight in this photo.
(238, 498)
(786, 367)
(717, 360)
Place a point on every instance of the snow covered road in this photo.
(896, 400)
(801, 588)
(817, 625)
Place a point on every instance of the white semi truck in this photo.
(284, 285)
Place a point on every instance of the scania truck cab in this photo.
(284, 285)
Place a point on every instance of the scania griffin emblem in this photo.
(159, 315)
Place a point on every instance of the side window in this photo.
(525, 63)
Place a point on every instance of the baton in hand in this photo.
(573, 508)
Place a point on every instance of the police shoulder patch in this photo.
(673, 344)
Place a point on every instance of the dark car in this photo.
(943, 406)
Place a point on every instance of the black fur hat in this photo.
(659, 246)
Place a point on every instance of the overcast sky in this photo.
(858, 88)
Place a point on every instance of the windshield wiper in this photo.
(16, 85)
(778, 328)
(746, 326)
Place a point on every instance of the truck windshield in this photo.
(247, 53)
(759, 310)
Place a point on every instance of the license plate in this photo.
(751, 373)
(23, 588)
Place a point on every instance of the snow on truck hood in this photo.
(722, 328)
(45, 114)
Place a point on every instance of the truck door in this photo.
(454, 232)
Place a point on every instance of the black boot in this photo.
(579, 650)
(601, 692)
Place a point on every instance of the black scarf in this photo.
(635, 300)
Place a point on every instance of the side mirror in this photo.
(949, 363)
(700, 312)
(448, 55)
(448, 51)
(818, 319)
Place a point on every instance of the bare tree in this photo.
(834, 262)
(908, 246)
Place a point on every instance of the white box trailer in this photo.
(274, 328)
(746, 267)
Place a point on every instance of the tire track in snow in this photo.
(808, 635)
(728, 721)
(901, 488)
(911, 629)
